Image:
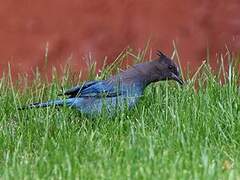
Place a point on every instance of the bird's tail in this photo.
(57, 102)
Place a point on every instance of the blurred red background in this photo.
(74, 28)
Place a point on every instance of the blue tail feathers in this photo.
(57, 102)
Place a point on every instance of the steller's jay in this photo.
(123, 89)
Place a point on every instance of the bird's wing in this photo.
(75, 91)
(98, 88)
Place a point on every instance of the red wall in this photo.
(75, 28)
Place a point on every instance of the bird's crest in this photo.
(160, 54)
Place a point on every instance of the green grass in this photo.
(174, 133)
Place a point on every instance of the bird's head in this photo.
(166, 69)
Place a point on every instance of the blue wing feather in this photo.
(97, 88)
(73, 92)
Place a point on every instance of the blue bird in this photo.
(123, 89)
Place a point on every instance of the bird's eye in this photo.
(170, 67)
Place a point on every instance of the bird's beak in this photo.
(176, 78)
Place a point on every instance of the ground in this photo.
(188, 132)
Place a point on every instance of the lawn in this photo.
(189, 132)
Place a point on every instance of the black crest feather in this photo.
(160, 54)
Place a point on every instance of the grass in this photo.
(174, 132)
